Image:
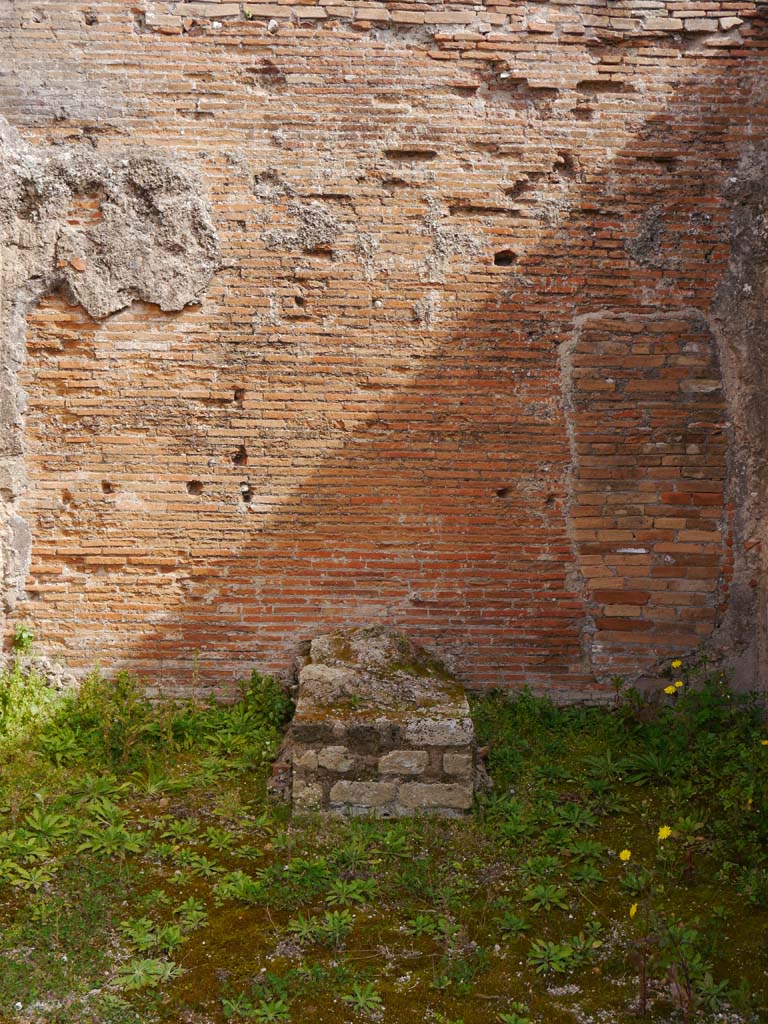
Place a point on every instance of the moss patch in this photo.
(136, 843)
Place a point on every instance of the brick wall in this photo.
(456, 371)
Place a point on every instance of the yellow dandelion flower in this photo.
(764, 743)
(670, 690)
(633, 910)
(665, 832)
(625, 855)
(678, 683)
(677, 663)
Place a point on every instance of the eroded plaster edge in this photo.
(152, 239)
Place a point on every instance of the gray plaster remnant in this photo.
(739, 318)
(646, 246)
(366, 246)
(447, 241)
(152, 240)
(426, 309)
(317, 228)
(270, 187)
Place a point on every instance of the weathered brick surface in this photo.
(455, 372)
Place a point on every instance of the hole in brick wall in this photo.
(391, 183)
(549, 501)
(566, 165)
(91, 18)
(108, 487)
(330, 197)
(583, 113)
(245, 491)
(667, 163)
(599, 86)
(464, 207)
(66, 496)
(300, 300)
(266, 75)
(410, 154)
(240, 458)
(502, 492)
(239, 395)
(195, 486)
(511, 88)
(504, 258)
(519, 188)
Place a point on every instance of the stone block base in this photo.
(381, 728)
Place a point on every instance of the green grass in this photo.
(144, 876)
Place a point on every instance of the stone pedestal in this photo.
(382, 728)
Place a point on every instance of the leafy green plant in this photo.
(26, 701)
(355, 891)
(112, 840)
(423, 924)
(651, 767)
(140, 932)
(306, 929)
(546, 897)
(237, 1006)
(551, 957)
(575, 816)
(219, 839)
(518, 1015)
(586, 874)
(203, 867)
(330, 930)
(169, 937)
(238, 885)
(586, 850)
(363, 998)
(191, 914)
(146, 973)
(753, 886)
(636, 881)
(268, 1011)
(152, 781)
(48, 825)
(335, 927)
(32, 878)
(179, 829)
(512, 924)
(23, 638)
(96, 788)
(539, 867)
(16, 844)
(585, 944)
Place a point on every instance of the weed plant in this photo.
(618, 870)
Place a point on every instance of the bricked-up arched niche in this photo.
(460, 371)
